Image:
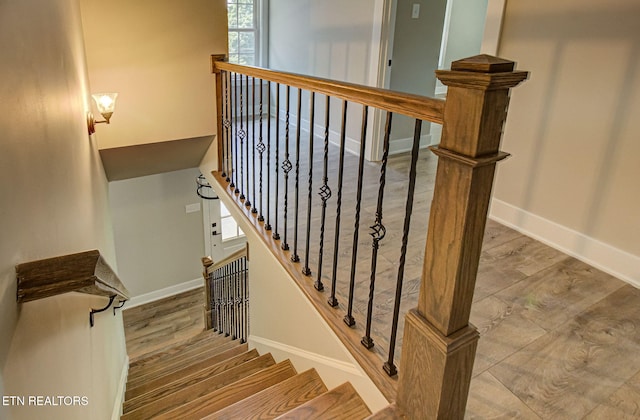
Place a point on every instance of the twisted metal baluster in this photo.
(247, 184)
(234, 134)
(261, 148)
(325, 194)
(294, 256)
(241, 135)
(332, 301)
(312, 102)
(223, 79)
(378, 232)
(267, 225)
(253, 142)
(348, 319)
(276, 235)
(389, 366)
(286, 168)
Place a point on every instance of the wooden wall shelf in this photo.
(84, 272)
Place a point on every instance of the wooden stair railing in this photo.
(84, 272)
(226, 306)
(439, 343)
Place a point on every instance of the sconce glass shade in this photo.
(106, 103)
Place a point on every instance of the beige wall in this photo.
(53, 202)
(158, 244)
(155, 53)
(573, 128)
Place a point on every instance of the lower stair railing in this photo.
(266, 164)
(227, 295)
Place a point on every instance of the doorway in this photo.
(420, 36)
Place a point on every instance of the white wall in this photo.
(156, 54)
(158, 244)
(333, 39)
(573, 129)
(53, 202)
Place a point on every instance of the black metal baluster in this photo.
(234, 319)
(218, 315)
(245, 302)
(214, 314)
(348, 318)
(312, 102)
(343, 135)
(221, 300)
(276, 235)
(234, 133)
(247, 183)
(224, 307)
(242, 135)
(253, 143)
(227, 123)
(325, 194)
(223, 136)
(389, 365)
(294, 256)
(243, 286)
(236, 325)
(267, 226)
(286, 168)
(261, 148)
(377, 233)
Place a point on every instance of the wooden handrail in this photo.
(84, 272)
(243, 252)
(416, 106)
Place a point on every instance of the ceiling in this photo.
(153, 158)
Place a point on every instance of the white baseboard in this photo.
(295, 352)
(332, 371)
(166, 292)
(405, 145)
(600, 255)
(122, 386)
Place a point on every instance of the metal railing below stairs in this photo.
(227, 295)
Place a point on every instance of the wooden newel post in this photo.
(208, 307)
(439, 343)
(219, 105)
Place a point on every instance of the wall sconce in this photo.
(106, 103)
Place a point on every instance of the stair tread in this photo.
(342, 402)
(231, 393)
(177, 380)
(390, 412)
(275, 400)
(174, 348)
(185, 353)
(199, 389)
(151, 384)
(178, 363)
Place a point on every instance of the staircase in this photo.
(211, 376)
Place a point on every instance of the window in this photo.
(244, 31)
(230, 229)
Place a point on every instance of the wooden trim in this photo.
(84, 272)
(415, 106)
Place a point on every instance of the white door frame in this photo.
(385, 14)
